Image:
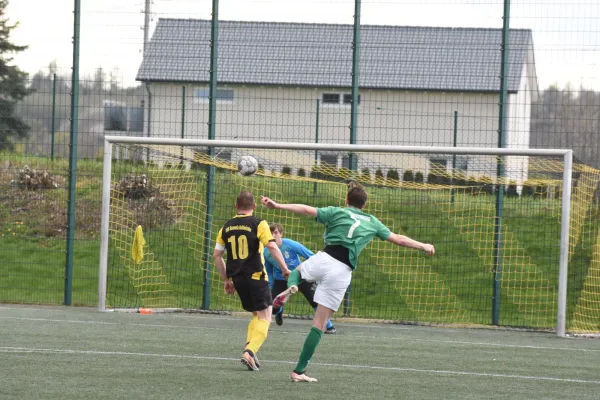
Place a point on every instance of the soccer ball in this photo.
(247, 165)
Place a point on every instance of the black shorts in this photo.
(255, 294)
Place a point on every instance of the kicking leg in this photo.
(292, 283)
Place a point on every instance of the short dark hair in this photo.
(357, 196)
(245, 201)
(274, 226)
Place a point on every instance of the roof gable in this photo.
(290, 54)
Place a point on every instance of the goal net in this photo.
(495, 220)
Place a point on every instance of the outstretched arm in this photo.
(405, 241)
(276, 254)
(295, 208)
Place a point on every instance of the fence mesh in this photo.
(429, 73)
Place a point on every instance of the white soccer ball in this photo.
(247, 165)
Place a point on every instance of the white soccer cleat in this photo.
(301, 378)
(282, 297)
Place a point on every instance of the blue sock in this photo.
(280, 311)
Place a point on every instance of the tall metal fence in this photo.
(434, 73)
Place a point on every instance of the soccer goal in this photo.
(515, 244)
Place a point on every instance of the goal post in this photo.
(177, 189)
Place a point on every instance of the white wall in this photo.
(385, 117)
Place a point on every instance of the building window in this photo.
(462, 163)
(329, 159)
(337, 99)
(348, 99)
(438, 165)
(346, 161)
(115, 116)
(330, 98)
(223, 95)
(136, 119)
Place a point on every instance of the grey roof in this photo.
(320, 55)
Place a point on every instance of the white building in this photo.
(271, 75)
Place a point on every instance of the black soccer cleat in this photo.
(279, 318)
(331, 330)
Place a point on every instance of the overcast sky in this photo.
(566, 33)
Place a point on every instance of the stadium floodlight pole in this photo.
(566, 154)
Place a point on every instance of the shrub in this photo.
(408, 176)
(528, 189)
(365, 175)
(432, 179)
(392, 175)
(286, 170)
(487, 185)
(419, 177)
(541, 191)
(301, 172)
(511, 191)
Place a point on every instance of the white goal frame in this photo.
(566, 154)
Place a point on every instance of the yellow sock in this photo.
(259, 335)
(251, 327)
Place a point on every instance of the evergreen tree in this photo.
(13, 85)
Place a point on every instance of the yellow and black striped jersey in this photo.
(244, 237)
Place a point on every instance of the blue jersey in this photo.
(292, 251)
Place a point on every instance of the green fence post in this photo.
(53, 117)
(500, 168)
(72, 156)
(182, 119)
(454, 157)
(317, 141)
(355, 74)
(354, 116)
(210, 176)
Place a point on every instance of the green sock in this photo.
(310, 345)
(294, 278)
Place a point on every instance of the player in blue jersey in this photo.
(292, 251)
(348, 230)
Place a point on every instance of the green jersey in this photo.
(351, 228)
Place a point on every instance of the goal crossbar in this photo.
(566, 154)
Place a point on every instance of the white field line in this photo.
(357, 336)
(362, 367)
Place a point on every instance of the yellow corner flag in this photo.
(137, 248)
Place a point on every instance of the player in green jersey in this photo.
(347, 231)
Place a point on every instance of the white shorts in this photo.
(332, 277)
